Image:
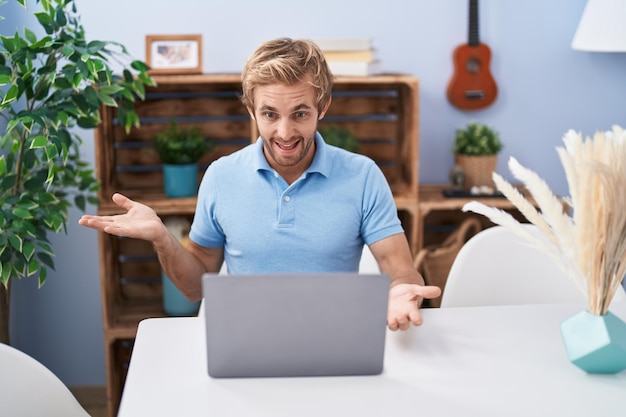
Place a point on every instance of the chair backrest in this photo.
(368, 263)
(29, 389)
(498, 267)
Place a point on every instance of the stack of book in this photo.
(350, 56)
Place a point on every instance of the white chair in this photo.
(29, 389)
(368, 263)
(498, 267)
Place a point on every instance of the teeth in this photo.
(284, 146)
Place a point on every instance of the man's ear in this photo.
(251, 112)
(323, 112)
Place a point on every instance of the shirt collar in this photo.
(321, 163)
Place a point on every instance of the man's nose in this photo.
(284, 129)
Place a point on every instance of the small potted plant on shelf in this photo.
(338, 136)
(476, 149)
(180, 149)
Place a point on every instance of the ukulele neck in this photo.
(473, 38)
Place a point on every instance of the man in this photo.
(289, 202)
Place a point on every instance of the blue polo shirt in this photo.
(317, 224)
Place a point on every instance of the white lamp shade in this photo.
(602, 27)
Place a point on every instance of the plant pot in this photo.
(174, 302)
(477, 169)
(180, 180)
(595, 344)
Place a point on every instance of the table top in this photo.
(473, 361)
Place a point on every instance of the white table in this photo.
(480, 361)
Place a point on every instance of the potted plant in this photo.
(50, 86)
(338, 136)
(180, 149)
(476, 149)
(588, 241)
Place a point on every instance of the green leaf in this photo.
(22, 213)
(139, 66)
(79, 201)
(106, 99)
(9, 43)
(63, 118)
(60, 17)
(33, 265)
(79, 76)
(30, 35)
(43, 273)
(92, 96)
(30, 229)
(11, 95)
(96, 46)
(111, 89)
(16, 242)
(45, 247)
(56, 223)
(3, 165)
(19, 267)
(46, 259)
(11, 125)
(29, 250)
(5, 79)
(6, 274)
(44, 19)
(67, 50)
(39, 141)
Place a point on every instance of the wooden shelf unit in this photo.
(382, 111)
(438, 215)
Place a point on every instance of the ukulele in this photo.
(472, 86)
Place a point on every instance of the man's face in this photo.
(287, 116)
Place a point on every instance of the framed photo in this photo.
(174, 54)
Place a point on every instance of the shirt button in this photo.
(287, 199)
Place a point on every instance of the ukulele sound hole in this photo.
(472, 65)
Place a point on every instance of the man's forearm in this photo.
(182, 267)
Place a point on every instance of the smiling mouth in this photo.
(287, 146)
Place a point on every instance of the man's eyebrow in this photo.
(301, 107)
(294, 109)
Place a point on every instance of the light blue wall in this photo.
(546, 88)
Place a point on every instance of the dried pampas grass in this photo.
(589, 244)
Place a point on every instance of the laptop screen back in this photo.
(275, 325)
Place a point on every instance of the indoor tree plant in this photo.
(180, 148)
(50, 85)
(476, 149)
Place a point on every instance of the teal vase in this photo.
(174, 302)
(595, 344)
(180, 180)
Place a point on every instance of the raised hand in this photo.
(139, 221)
(403, 304)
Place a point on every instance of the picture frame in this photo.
(174, 54)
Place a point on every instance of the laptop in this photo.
(290, 325)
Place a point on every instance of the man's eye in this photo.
(270, 114)
(301, 115)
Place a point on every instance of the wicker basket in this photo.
(434, 261)
(477, 170)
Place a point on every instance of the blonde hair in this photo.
(287, 61)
